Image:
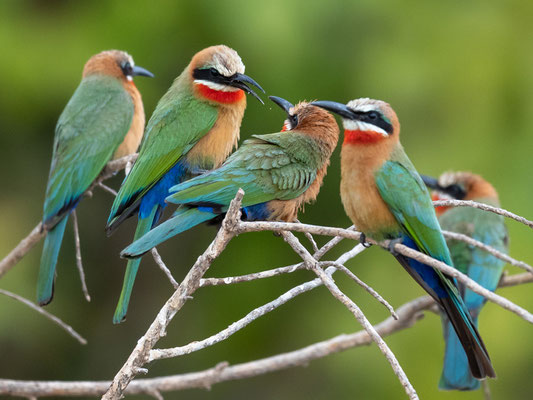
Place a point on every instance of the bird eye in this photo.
(293, 119)
(373, 115)
(127, 69)
(214, 72)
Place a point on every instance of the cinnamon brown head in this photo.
(115, 63)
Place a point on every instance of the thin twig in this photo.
(482, 206)
(368, 288)
(409, 314)
(107, 189)
(251, 316)
(159, 261)
(245, 226)
(498, 254)
(39, 232)
(51, 317)
(79, 264)
(355, 310)
(190, 283)
(22, 249)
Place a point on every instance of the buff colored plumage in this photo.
(386, 199)
(104, 119)
(194, 128)
(279, 173)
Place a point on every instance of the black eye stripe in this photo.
(127, 69)
(375, 118)
(208, 74)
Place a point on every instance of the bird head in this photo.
(365, 121)
(217, 74)
(116, 63)
(308, 119)
(459, 186)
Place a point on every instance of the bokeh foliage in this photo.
(458, 73)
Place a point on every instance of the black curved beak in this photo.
(140, 71)
(240, 80)
(337, 108)
(431, 182)
(284, 104)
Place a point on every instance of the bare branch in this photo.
(159, 261)
(107, 189)
(516, 279)
(190, 283)
(400, 248)
(488, 249)
(251, 316)
(464, 279)
(356, 311)
(39, 231)
(22, 249)
(369, 289)
(482, 206)
(78, 256)
(408, 314)
(42, 311)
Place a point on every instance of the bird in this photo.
(279, 173)
(385, 198)
(193, 128)
(103, 120)
(482, 267)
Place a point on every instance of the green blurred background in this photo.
(459, 75)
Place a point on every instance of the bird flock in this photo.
(186, 162)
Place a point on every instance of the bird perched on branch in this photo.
(194, 128)
(385, 198)
(279, 173)
(482, 267)
(103, 120)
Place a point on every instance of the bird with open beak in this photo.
(194, 128)
(279, 173)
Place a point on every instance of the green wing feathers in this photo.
(90, 129)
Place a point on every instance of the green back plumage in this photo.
(403, 190)
(90, 129)
(484, 226)
(277, 166)
(176, 125)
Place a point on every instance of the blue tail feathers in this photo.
(184, 219)
(456, 374)
(52, 244)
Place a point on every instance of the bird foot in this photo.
(393, 243)
(362, 240)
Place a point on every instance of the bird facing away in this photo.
(385, 198)
(482, 267)
(194, 128)
(103, 120)
(279, 173)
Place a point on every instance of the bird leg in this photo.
(393, 243)
(362, 240)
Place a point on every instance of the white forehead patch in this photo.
(447, 179)
(228, 62)
(365, 104)
(352, 125)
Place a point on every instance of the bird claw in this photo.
(393, 243)
(362, 240)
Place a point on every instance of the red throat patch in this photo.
(362, 137)
(219, 95)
